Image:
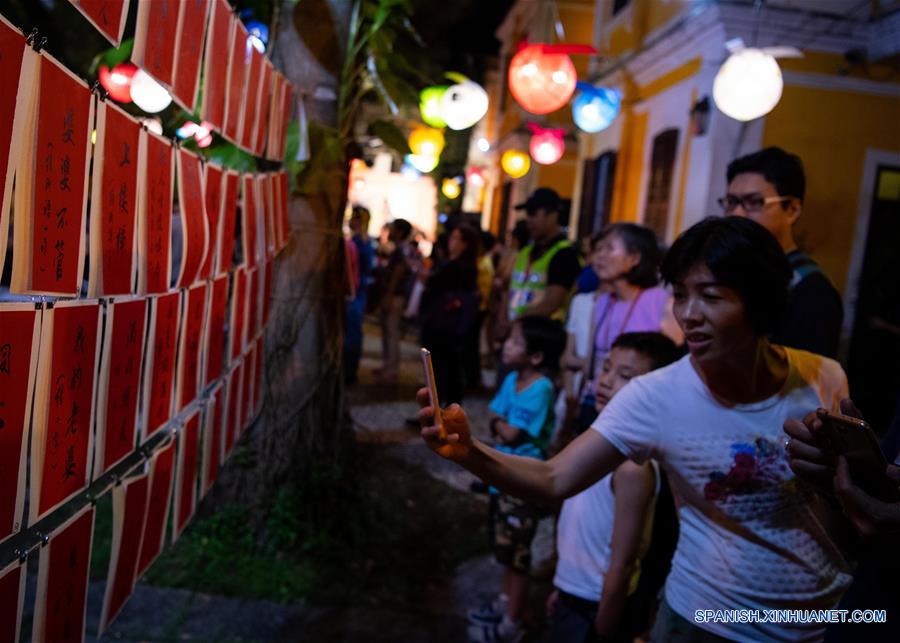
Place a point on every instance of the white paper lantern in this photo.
(148, 94)
(748, 85)
(463, 105)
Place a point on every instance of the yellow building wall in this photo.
(560, 176)
(629, 167)
(831, 131)
(643, 17)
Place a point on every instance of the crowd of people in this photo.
(663, 405)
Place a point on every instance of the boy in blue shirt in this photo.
(521, 424)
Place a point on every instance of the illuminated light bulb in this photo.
(483, 145)
(748, 85)
(595, 108)
(425, 141)
(423, 164)
(451, 188)
(148, 94)
(515, 163)
(540, 81)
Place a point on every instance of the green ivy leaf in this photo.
(392, 136)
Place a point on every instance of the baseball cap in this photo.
(542, 198)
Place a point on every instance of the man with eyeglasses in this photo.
(768, 187)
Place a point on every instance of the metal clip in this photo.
(44, 538)
(98, 89)
(21, 554)
(35, 40)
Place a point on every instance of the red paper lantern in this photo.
(547, 145)
(541, 81)
(117, 81)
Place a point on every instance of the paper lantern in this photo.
(463, 105)
(424, 164)
(546, 145)
(475, 176)
(425, 141)
(541, 81)
(257, 35)
(515, 163)
(595, 108)
(748, 85)
(483, 145)
(450, 188)
(148, 94)
(117, 81)
(430, 105)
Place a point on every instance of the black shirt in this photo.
(814, 314)
(565, 265)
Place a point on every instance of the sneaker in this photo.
(497, 633)
(489, 613)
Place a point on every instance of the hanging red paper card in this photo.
(51, 187)
(20, 328)
(287, 110)
(189, 352)
(189, 51)
(107, 16)
(12, 599)
(254, 287)
(155, 215)
(194, 232)
(114, 203)
(268, 188)
(251, 100)
(260, 372)
(283, 207)
(274, 116)
(120, 378)
(15, 111)
(215, 73)
(233, 421)
(61, 598)
(229, 221)
(267, 293)
(186, 477)
(61, 436)
(154, 39)
(250, 219)
(159, 370)
(247, 385)
(129, 501)
(215, 330)
(238, 313)
(162, 475)
(238, 63)
(265, 100)
(213, 425)
(213, 192)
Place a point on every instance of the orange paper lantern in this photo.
(541, 81)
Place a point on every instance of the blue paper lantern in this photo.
(595, 108)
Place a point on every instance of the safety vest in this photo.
(529, 280)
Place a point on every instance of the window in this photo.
(596, 194)
(659, 188)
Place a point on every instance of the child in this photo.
(521, 424)
(604, 531)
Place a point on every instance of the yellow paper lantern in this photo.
(451, 188)
(515, 163)
(425, 141)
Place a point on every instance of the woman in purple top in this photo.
(627, 261)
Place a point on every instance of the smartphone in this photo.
(854, 439)
(428, 369)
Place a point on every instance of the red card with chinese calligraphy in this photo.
(114, 203)
(260, 352)
(194, 232)
(189, 51)
(17, 76)
(191, 339)
(154, 39)
(120, 380)
(129, 502)
(238, 63)
(250, 219)
(215, 74)
(155, 215)
(12, 599)
(283, 207)
(51, 187)
(61, 604)
(265, 101)
(232, 421)
(213, 193)
(215, 330)
(274, 116)
(213, 429)
(62, 437)
(229, 221)
(186, 477)
(159, 370)
(162, 475)
(20, 329)
(107, 16)
(251, 100)
(267, 292)
(238, 313)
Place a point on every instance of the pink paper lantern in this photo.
(541, 81)
(547, 145)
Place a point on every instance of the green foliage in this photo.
(113, 56)
(391, 135)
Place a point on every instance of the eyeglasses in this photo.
(750, 202)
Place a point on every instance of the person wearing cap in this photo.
(545, 270)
